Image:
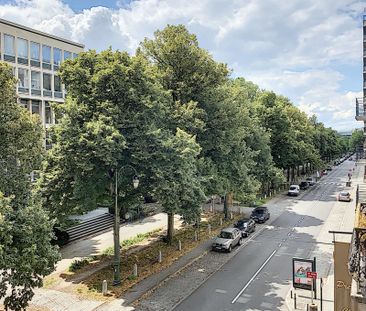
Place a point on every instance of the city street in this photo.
(258, 277)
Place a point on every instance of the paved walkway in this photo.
(54, 300)
(95, 245)
(344, 217)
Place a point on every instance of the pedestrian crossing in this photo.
(331, 183)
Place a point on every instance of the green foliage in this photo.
(26, 253)
(78, 264)
(356, 139)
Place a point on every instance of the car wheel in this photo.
(229, 249)
(240, 242)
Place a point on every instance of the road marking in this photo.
(221, 291)
(254, 276)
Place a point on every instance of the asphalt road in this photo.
(259, 275)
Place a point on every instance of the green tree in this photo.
(357, 139)
(26, 253)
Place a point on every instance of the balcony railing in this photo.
(360, 110)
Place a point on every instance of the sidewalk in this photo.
(53, 300)
(95, 245)
(323, 251)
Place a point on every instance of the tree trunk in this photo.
(288, 175)
(226, 207)
(170, 232)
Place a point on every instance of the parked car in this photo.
(329, 168)
(246, 226)
(227, 240)
(294, 190)
(325, 172)
(304, 185)
(344, 196)
(311, 181)
(61, 237)
(260, 214)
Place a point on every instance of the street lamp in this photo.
(117, 221)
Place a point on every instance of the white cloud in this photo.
(291, 47)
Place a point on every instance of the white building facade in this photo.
(36, 57)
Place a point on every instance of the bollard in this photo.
(295, 301)
(265, 196)
(104, 287)
(179, 245)
(209, 229)
(270, 193)
(313, 307)
(231, 215)
(160, 257)
(291, 294)
(220, 221)
(195, 236)
(135, 270)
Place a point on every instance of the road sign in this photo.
(311, 275)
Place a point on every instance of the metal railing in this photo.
(360, 108)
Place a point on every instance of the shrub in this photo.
(78, 264)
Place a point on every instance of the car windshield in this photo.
(293, 188)
(259, 211)
(225, 235)
(344, 193)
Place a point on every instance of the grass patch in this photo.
(125, 244)
(79, 263)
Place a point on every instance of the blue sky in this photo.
(307, 50)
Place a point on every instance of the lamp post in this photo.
(117, 221)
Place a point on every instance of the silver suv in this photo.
(227, 239)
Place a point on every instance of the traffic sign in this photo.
(311, 275)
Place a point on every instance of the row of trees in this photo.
(172, 113)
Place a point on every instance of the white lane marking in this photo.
(254, 276)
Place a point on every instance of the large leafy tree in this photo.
(26, 253)
(112, 103)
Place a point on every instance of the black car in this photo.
(260, 214)
(246, 226)
(304, 185)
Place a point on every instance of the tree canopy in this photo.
(26, 253)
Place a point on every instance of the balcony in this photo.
(360, 110)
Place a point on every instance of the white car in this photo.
(344, 196)
(228, 238)
(294, 190)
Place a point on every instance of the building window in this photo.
(48, 141)
(74, 55)
(47, 113)
(47, 89)
(23, 80)
(36, 83)
(24, 103)
(46, 57)
(35, 54)
(9, 50)
(36, 106)
(57, 86)
(57, 55)
(22, 51)
(67, 55)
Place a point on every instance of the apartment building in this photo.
(36, 57)
(361, 102)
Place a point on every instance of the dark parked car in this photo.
(61, 236)
(246, 226)
(304, 185)
(260, 214)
